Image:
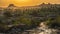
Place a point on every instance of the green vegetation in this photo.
(30, 17)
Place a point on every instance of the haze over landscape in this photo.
(27, 2)
(29, 16)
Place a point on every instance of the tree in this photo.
(11, 5)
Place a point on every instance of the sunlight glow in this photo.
(27, 2)
(21, 0)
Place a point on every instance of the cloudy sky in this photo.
(27, 2)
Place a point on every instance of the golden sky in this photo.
(27, 2)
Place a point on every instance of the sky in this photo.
(27, 2)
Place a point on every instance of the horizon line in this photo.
(30, 5)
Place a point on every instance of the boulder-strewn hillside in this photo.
(30, 17)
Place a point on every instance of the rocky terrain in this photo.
(41, 19)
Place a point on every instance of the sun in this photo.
(21, 0)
